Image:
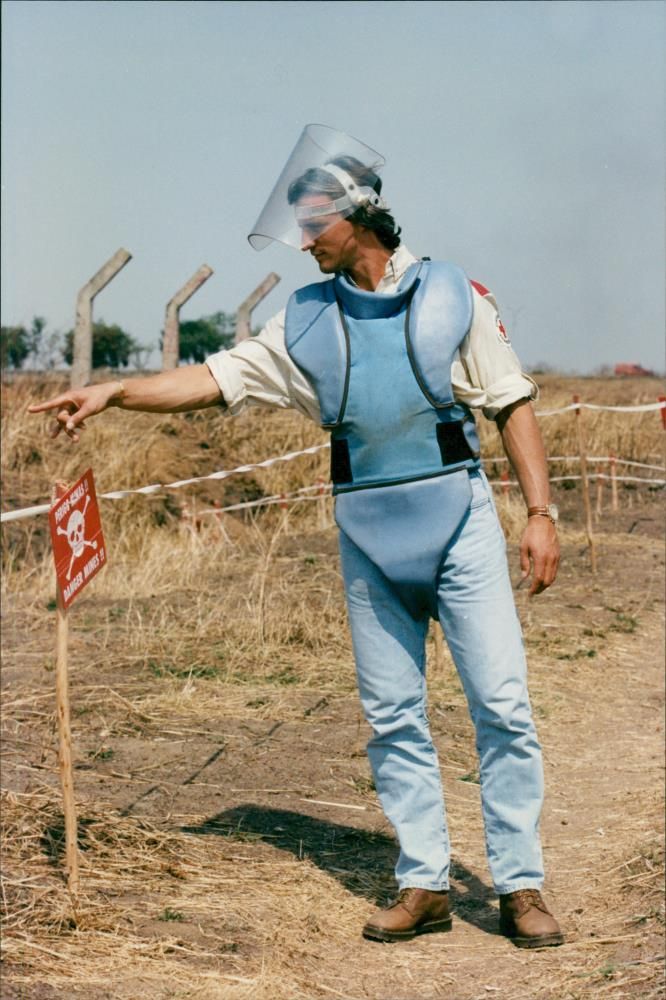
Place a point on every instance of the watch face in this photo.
(553, 512)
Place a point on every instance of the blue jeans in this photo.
(477, 613)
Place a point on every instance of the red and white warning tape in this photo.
(637, 408)
(17, 515)
(281, 499)
(592, 475)
(591, 458)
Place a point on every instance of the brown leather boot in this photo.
(525, 918)
(415, 911)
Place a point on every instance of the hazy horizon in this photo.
(523, 141)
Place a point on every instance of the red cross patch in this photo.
(501, 332)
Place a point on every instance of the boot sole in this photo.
(379, 934)
(545, 941)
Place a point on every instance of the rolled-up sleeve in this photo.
(259, 372)
(487, 374)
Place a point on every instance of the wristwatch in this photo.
(550, 510)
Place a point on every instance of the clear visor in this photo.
(315, 190)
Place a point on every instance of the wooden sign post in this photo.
(79, 553)
(64, 731)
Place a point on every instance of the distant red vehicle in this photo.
(631, 369)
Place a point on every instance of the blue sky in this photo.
(524, 141)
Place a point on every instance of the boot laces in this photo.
(530, 897)
(402, 897)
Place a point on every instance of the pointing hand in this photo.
(73, 407)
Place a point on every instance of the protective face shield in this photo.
(296, 214)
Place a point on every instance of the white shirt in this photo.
(486, 374)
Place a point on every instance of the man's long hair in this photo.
(318, 181)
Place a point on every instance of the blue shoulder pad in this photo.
(440, 317)
(323, 355)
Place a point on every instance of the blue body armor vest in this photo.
(401, 446)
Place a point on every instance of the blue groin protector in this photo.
(401, 446)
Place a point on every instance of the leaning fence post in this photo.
(245, 309)
(504, 476)
(82, 360)
(582, 448)
(662, 400)
(171, 341)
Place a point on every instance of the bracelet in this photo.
(549, 511)
(118, 397)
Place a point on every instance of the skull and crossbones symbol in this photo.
(75, 534)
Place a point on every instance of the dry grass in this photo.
(213, 701)
(131, 450)
(179, 882)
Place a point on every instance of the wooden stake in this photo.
(439, 647)
(65, 735)
(600, 496)
(612, 462)
(505, 481)
(582, 448)
(321, 504)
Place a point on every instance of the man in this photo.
(390, 355)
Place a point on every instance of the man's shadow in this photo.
(361, 860)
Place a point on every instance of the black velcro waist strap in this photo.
(453, 444)
(341, 470)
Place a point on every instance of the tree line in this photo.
(112, 347)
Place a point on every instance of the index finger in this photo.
(538, 575)
(51, 404)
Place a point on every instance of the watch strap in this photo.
(550, 512)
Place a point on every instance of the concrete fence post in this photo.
(246, 308)
(171, 342)
(82, 361)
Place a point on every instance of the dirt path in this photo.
(232, 845)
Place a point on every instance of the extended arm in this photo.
(190, 388)
(539, 547)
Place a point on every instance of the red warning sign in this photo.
(76, 533)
